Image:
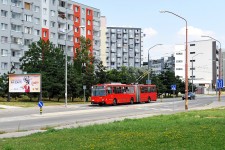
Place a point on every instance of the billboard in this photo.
(24, 83)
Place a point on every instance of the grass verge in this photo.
(189, 130)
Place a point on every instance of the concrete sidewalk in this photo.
(215, 104)
(8, 107)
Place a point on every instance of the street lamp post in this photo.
(64, 17)
(148, 58)
(192, 88)
(186, 62)
(219, 96)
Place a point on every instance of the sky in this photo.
(204, 17)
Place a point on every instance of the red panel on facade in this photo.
(45, 34)
(76, 27)
(89, 26)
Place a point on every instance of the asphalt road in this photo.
(23, 119)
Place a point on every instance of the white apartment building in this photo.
(203, 62)
(60, 21)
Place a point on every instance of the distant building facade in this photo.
(123, 47)
(157, 66)
(203, 63)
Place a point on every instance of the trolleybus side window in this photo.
(109, 90)
(130, 89)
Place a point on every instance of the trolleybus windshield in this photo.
(98, 91)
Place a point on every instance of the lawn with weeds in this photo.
(188, 130)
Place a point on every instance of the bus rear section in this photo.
(113, 94)
(146, 93)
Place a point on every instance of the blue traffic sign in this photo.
(40, 104)
(173, 87)
(219, 83)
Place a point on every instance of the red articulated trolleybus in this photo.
(117, 93)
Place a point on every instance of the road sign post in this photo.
(173, 87)
(84, 88)
(40, 104)
(219, 85)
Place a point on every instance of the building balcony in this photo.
(62, 30)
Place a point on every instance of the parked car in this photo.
(190, 96)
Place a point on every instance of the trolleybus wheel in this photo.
(149, 100)
(114, 102)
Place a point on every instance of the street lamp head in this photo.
(162, 11)
(205, 36)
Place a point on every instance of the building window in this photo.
(179, 61)
(28, 30)
(53, 2)
(83, 11)
(89, 32)
(76, 19)
(89, 22)
(83, 21)
(76, 9)
(27, 42)
(4, 13)
(4, 65)
(4, 52)
(4, 2)
(179, 53)
(44, 11)
(37, 32)
(36, 8)
(36, 20)
(88, 12)
(52, 35)
(52, 13)
(76, 40)
(27, 6)
(179, 68)
(16, 40)
(4, 39)
(16, 3)
(45, 22)
(4, 26)
(16, 15)
(52, 24)
(62, 4)
(16, 28)
(16, 53)
(45, 34)
(28, 18)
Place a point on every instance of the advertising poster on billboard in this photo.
(24, 83)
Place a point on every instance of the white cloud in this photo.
(149, 32)
(194, 33)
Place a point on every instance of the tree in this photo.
(43, 58)
(100, 73)
(83, 67)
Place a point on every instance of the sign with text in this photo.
(219, 83)
(24, 83)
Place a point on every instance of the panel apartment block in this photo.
(123, 47)
(203, 63)
(60, 21)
